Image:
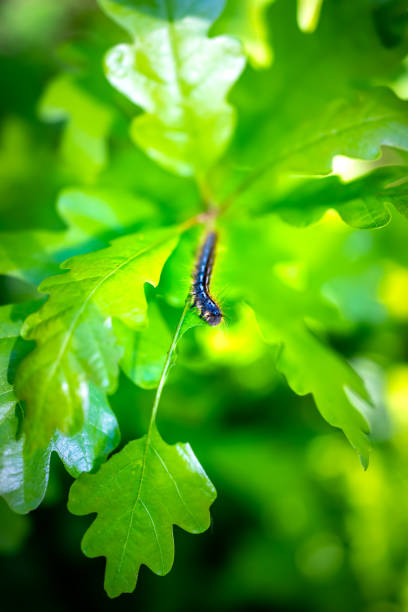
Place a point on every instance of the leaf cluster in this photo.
(243, 148)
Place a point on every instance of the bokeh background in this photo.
(298, 525)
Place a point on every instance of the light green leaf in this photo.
(282, 311)
(247, 20)
(84, 145)
(334, 108)
(96, 212)
(311, 367)
(139, 494)
(24, 475)
(179, 77)
(144, 351)
(93, 217)
(356, 128)
(76, 346)
(362, 203)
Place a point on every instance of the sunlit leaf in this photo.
(309, 365)
(355, 128)
(134, 523)
(362, 203)
(144, 351)
(247, 20)
(83, 145)
(297, 125)
(93, 218)
(23, 474)
(76, 346)
(179, 77)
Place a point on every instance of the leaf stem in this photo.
(167, 366)
(252, 178)
(207, 196)
(243, 186)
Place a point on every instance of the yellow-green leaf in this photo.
(179, 77)
(139, 494)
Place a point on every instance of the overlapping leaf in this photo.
(179, 77)
(155, 486)
(310, 107)
(355, 128)
(363, 203)
(76, 346)
(308, 364)
(24, 475)
(93, 217)
(89, 120)
(246, 19)
(144, 351)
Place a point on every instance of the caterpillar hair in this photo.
(208, 310)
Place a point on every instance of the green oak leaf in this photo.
(138, 495)
(23, 474)
(356, 127)
(247, 20)
(363, 203)
(312, 367)
(76, 346)
(177, 276)
(93, 217)
(309, 107)
(89, 120)
(179, 77)
(283, 312)
(145, 350)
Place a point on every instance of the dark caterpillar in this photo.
(208, 309)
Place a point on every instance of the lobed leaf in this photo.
(89, 120)
(356, 128)
(309, 107)
(76, 346)
(363, 203)
(247, 20)
(309, 365)
(23, 474)
(93, 217)
(138, 495)
(145, 350)
(179, 77)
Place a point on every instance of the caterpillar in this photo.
(209, 311)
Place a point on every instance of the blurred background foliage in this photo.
(298, 525)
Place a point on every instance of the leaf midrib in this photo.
(257, 174)
(82, 308)
(182, 92)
